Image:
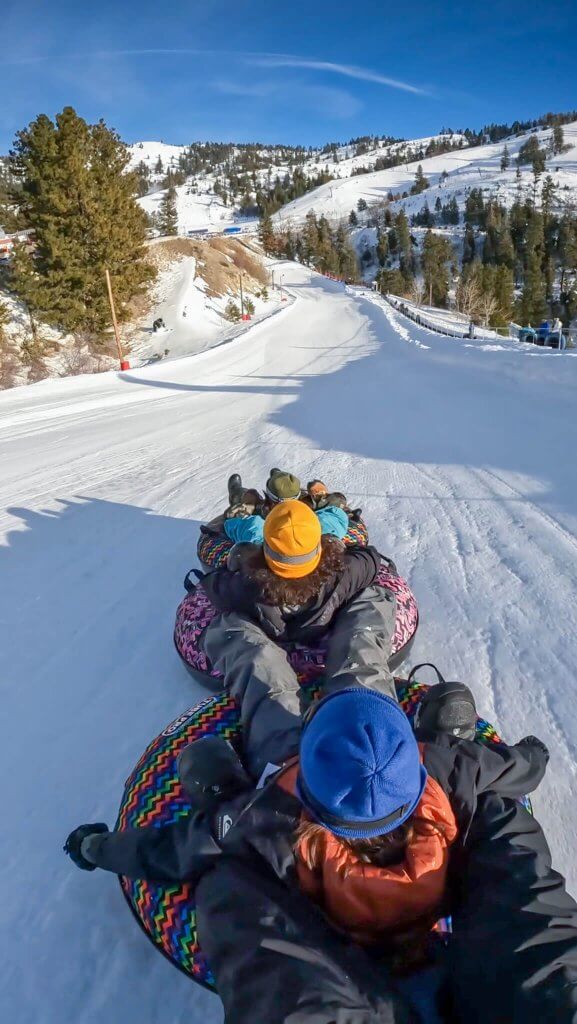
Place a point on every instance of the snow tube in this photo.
(213, 548)
(153, 796)
(195, 613)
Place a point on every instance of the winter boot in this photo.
(448, 707)
(235, 489)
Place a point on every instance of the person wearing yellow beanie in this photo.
(294, 579)
(292, 540)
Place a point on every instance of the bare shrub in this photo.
(468, 297)
(418, 291)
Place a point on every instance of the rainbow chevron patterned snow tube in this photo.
(153, 796)
(213, 548)
(195, 613)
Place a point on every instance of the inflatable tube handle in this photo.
(389, 564)
(425, 664)
(189, 586)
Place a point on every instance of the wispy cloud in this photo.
(264, 60)
(279, 60)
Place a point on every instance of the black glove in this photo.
(537, 745)
(74, 842)
(211, 771)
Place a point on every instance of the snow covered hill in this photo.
(450, 174)
(199, 208)
(459, 454)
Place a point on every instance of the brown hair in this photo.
(278, 592)
(382, 851)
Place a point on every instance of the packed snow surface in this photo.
(460, 454)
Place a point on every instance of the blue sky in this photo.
(308, 71)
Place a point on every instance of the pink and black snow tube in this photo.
(196, 612)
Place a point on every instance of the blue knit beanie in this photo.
(360, 773)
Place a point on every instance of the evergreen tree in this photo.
(504, 252)
(532, 305)
(267, 235)
(475, 208)
(437, 251)
(567, 247)
(421, 182)
(505, 158)
(531, 153)
(557, 140)
(347, 260)
(362, 205)
(159, 168)
(310, 237)
(167, 215)
(469, 245)
(392, 282)
(80, 203)
(450, 212)
(353, 219)
(8, 356)
(382, 247)
(503, 287)
(404, 244)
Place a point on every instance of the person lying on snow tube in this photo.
(296, 580)
(243, 519)
(348, 808)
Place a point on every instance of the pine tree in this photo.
(531, 153)
(404, 243)
(382, 247)
(8, 357)
(504, 252)
(504, 292)
(267, 235)
(469, 245)
(505, 158)
(437, 251)
(567, 246)
(392, 282)
(421, 182)
(362, 205)
(353, 219)
(347, 259)
(533, 306)
(167, 215)
(557, 140)
(81, 205)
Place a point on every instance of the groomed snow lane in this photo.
(460, 456)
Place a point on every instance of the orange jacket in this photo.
(367, 900)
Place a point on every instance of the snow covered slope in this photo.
(477, 167)
(199, 208)
(460, 456)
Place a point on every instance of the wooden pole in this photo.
(124, 364)
(241, 297)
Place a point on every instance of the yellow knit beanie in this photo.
(292, 540)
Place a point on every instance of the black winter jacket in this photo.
(238, 592)
(262, 822)
(513, 957)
